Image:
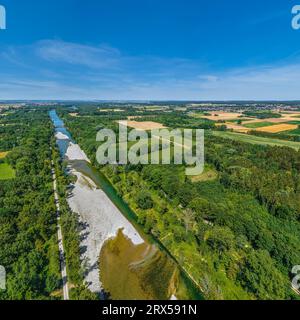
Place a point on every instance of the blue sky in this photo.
(150, 50)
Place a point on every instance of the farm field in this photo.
(6, 171)
(133, 117)
(156, 108)
(145, 125)
(238, 122)
(254, 125)
(196, 115)
(294, 132)
(278, 128)
(234, 127)
(240, 119)
(235, 116)
(219, 116)
(272, 120)
(294, 122)
(256, 140)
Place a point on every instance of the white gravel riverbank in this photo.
(61, 136)
(101, 220)
(74, 152)
(99, 217)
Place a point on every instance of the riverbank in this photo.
(100, 221)
(99, 218)
(103, 215)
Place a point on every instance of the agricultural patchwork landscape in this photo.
(277, 121)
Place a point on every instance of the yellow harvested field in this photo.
(223, 115)
(234, 127)
(215, 116)
(3, 155)
(145, 125)
(278, 128)
(283, 119)
(73, 114)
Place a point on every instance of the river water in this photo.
(128, 270)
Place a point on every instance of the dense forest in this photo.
(28, 243)
(236, 235)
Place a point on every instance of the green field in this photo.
(255, 125)
(6, 171)
(294, 132)
(196, 114)
(294, 122)
(239, 119)
(209, 174)
(256, 140)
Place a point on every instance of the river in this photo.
(122, 260)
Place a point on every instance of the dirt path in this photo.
(60, 239)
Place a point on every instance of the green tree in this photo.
(260, 276)
(144, 200)
(220, 238)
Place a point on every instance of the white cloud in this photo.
(78, 54)
(54, 69)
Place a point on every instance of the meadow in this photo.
(6, 172)
(256, 140)
(294, 132)
(209, 174)
(294, 122)
(254, 125)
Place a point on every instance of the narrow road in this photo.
(60, 239)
